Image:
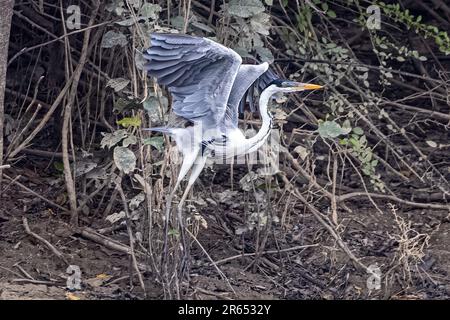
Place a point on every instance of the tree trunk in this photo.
(6, 11)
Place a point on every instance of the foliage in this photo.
(157, 142)
(378, 130)
(331, 129)
(245, 9)
(130, 122)
(124, 159)
(394, 11)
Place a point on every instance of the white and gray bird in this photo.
(207, 82)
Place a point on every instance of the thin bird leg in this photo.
(188, 161)
(195, 172)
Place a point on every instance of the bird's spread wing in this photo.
(260, 84)
(198, 72)
(249, 79)
(245, 77)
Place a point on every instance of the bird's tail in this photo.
(160, 129)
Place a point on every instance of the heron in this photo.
(207, 82)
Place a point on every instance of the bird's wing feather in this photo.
(246, 76)
(198, 72)
(260, 84)
(248, 79)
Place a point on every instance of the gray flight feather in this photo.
(245, 77)
(198, 72)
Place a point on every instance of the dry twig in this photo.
(45, 242)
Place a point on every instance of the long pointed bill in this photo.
(309, 86)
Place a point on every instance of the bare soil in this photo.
(29, 270)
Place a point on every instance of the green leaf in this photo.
(331, 129)
(265, 54)
(111, 39)
(120, 104)
(363, 140)
(358, 131)
(152, 106)
(261, 23)
(124, 159)
(129, 140)
(111, 139)
(245, 8)
(157, 142)
(331, 14)
(149, 10)
(368, 157)
(354, 142)
(130, 122)
(346, 124)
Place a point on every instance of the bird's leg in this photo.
(196, 170)
(188, 161)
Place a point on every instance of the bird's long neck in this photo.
(256, 141)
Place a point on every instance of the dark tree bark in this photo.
(6, 11)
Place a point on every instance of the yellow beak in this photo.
(309, 86)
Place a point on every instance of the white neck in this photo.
(258, 140)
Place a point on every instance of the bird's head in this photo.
(281, 85)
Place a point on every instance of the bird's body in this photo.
(219, 143)
(207, 82)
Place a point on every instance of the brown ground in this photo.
(323, 271)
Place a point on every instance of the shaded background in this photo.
(363, 184)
